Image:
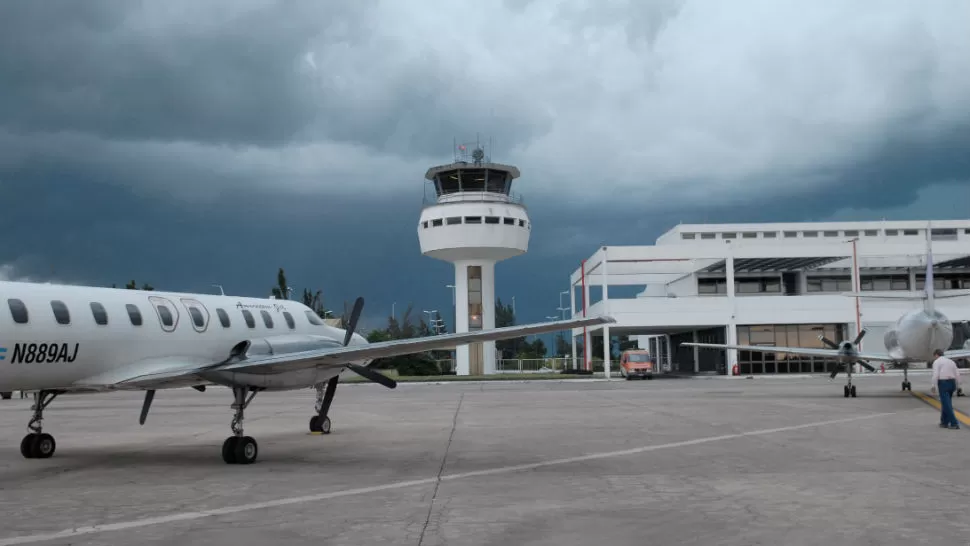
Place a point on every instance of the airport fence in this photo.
(518, 365)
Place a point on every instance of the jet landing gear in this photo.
(320, 423)
(907, 386)
(38, 444)
(238, 448)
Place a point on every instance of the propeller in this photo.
(149, 396)
(363, 371)
(851, 347)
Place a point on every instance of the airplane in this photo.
(66, 339)
(912, 338)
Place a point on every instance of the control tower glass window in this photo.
(474, 297)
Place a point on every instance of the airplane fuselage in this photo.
(56, 336)
(918, 333)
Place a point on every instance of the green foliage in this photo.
(281, 290)
(132, 285)
(518, 347)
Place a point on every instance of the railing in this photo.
(518, 365)
(473, 197)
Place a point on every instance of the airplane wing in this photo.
(830, 353)
(957, 353)
(173, 372)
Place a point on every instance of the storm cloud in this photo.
(187, 143)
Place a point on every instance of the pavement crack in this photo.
(441, 469)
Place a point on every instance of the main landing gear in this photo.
(320, 423)
(38, 444)
(238, 448)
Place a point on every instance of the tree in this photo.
(406, 328)
(281, 291)
(507, 348)
(132, 285)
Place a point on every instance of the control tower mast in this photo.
(474, 222)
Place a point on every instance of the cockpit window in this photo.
(313, 318)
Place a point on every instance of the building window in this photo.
(791, 234)
(831, 233)
(810, 234)
(473, 219)
(452, 220)
(828, 284)
(686, 236)
(910, 232)
(100, 315)
(729, 235)
(892, 232)
(885, 282)
(944, 234)
(425, 224)
(223, 317)
(508, 221)
(267, 320)
(491, 219)
(712, 286)
(871, 232)
(851, 233)
(475, 297)
(707, 235)
(521, 223)
(17, 310)
(770, 234)
(436, 222)
(61, 314)
(749, 235)
(134, 314)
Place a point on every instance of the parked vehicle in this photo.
(637, 363)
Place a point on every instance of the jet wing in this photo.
(342, 355)
(957, 353)
(174, 372)
(805, 351)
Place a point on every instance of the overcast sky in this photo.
(187, 143)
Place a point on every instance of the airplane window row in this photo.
(18, 311)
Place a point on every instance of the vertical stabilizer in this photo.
(928, 283)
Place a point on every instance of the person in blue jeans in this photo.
(946, 378)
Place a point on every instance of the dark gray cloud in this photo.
(189, 143)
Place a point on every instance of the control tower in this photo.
(474, 222)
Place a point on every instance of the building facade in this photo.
(767, 284)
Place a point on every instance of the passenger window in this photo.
(134, 314)
(18, 310)
(100, 315)
(166, 316)
(267, 320)
(250, 321)
(61, 314)
(197, 317)
(313, 318)
(223, 317)
(289, 320)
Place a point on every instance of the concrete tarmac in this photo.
(722, 461)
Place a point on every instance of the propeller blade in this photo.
(836, 370)
(858, 338)
(376, 377)
(354, 315)
(827, 341)
(149, 396)
(865, 365)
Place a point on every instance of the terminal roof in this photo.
(752, 265)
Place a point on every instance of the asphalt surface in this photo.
(720, 461)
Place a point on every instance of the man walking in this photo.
(946, 377)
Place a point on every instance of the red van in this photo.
(637, 363)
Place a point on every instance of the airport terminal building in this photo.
(765, 284)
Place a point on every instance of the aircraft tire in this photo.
(325, 425)
(229, 450)
(320, 425)
(43, 446)
(246, 450)
(852, 391)
(315, 423)
(27, 446)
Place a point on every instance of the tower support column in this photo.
(475, 310)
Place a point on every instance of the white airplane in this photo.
(57, 339)
(913, 338)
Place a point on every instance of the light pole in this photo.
(561, 294)
(430, 314)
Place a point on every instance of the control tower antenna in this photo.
(474, 222)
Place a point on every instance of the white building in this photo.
(474, 222)
(767, 284)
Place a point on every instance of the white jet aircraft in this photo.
(913, 338)
(57, 339)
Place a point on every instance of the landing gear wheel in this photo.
(852, 391)
(43, 446)
(907, 386)
(229, 450)
(245, 450)
(845, 391)
(27, 446)
(320, 425)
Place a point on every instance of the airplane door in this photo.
(168, 314)
(198, 314)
